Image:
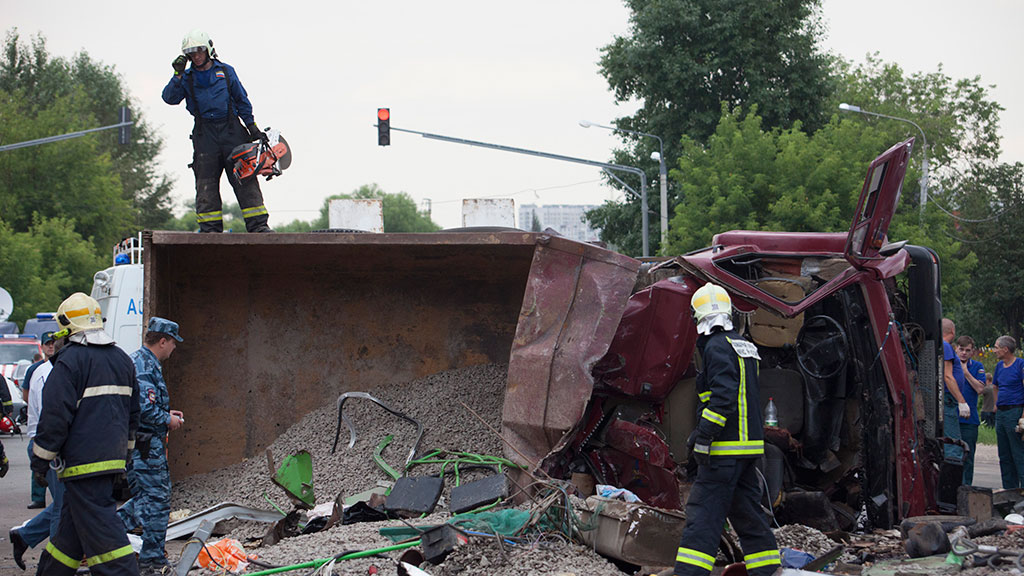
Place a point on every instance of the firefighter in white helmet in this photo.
(223, 119)
(727, 444)
(90, 413)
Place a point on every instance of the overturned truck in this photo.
(601, 375)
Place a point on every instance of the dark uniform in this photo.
(89, 417)
(6, 402)
(731, 434)
(217, 100)
(150, 479)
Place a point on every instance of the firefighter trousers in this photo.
(212, 142)
(90, 529)
(727, 487)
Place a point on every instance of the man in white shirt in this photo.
(43, 525)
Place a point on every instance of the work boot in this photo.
(155, 569)
(261, 229)
(20, 546)
(36, 505)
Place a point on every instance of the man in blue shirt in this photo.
(215, 97)
(954, 406)
(1009, 380)
(974, 383)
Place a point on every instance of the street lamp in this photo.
(663, 174)
(924, 165)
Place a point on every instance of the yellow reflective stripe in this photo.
(706, 298)
(106, 391)
(254, 211)
(9, 403)
(737, 447)
(713, 416)
(695, 557)
(131, 444)
(62, 557)
(91, 468)
(81, 312)
(209, 216)
(704, 396)
(108, 556)
(744, 432)
(42, 452)
(766, 558)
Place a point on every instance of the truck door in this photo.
(876, 206)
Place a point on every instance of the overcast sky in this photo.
(515, 73)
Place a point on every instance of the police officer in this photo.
(727, 445)
(87, 425)
(215, 97)
(149, 479)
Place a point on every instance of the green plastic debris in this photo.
(295, 477)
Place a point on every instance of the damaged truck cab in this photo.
(848, 330)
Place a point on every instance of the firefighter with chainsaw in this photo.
(87, 425)
(218, 101)
(149, 478)
(727, 444)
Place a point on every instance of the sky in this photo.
(519, 74)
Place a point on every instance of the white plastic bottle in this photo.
(771, 414)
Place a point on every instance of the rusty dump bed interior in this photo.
(277, 325)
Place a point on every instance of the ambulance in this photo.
(118, 290)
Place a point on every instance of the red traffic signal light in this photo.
(383, 126)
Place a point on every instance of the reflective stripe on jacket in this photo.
(90, 411)
(730, 417)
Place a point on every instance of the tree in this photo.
(48, 96)
(399, 212)
(995, 302)
(45, 264)
(750, 178)
(684, 58)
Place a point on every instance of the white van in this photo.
(118, 290)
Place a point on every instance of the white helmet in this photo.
(79, 313)
(710, 299)
(197, 40)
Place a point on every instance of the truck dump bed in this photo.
(277, 325)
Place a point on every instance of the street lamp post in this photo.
(662, 172)
(924, 164)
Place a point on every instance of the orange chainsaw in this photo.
(262, 158)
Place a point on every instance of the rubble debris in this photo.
(414, 495)
(488, 556)
(350, 471)
(472, 495)
(352, 430)
(948, 522)
(439, 542)
(807, 539)
(632, 532)
(926, 539)
(295, 477)
(812, 509)
(974, 502)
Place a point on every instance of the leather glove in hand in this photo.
(5, 465)
(965, 410)
(179, 64)
(256, 134)
(701, 454)
(39, 468)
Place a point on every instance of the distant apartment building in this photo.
(567, 219)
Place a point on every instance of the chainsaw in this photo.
(262, 158)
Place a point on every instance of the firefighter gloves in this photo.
(179, 65)
(4, 466)
(256, 134)
(39, 468)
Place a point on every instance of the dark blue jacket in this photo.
(90, 411)
(210, 102)
(730, 419)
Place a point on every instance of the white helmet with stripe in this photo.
(710, 299)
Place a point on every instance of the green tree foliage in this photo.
(749, 178)
(399, 211)
(45, 264)
(44, 96)
(683, 58)
(992, 225)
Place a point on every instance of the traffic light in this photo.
(384, 126)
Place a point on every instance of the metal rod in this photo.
(645, 224)
(68, 136)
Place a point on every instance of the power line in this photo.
(967, 220)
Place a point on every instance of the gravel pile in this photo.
(482, 556)
(433, 401)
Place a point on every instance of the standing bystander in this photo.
(954, 406)
(1009, 380)
(38, 492)
(974, 383)
(988, 403)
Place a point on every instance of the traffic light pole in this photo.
(645, 217)
(123, 136)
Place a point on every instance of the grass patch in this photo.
(986, 435)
